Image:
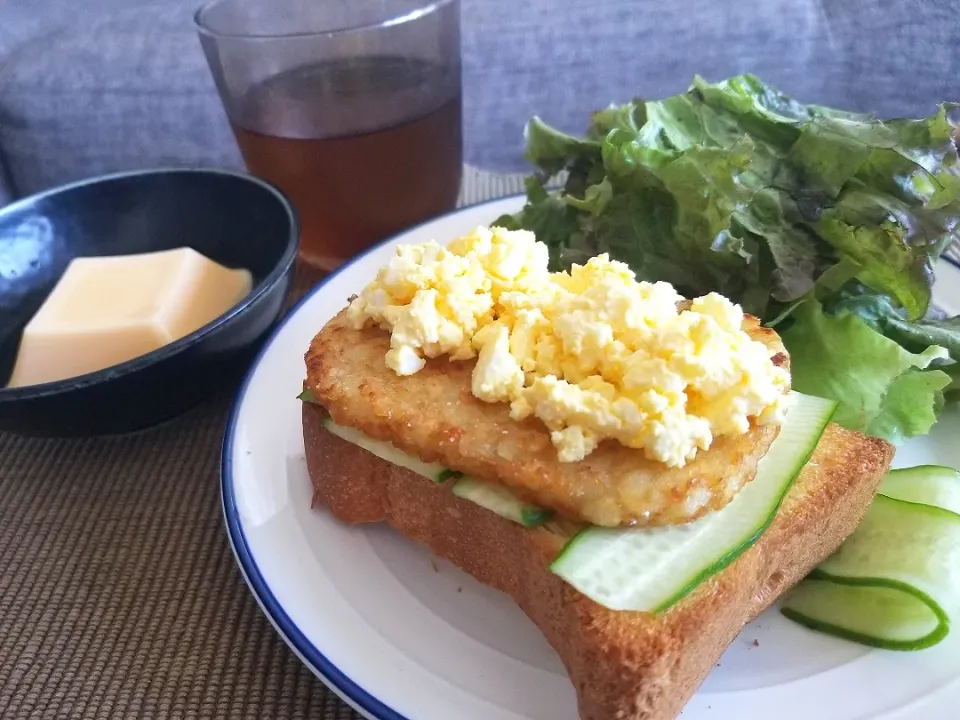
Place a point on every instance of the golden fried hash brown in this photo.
(434, 415)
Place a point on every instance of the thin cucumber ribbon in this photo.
(650, 569)
(895, 582)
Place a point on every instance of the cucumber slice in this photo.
(894, 583)
(500, 500)
(892, 618)
(650, 569)
(926, 484)
(387, 451)
(308, 396)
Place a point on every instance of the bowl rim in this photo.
(128, 367)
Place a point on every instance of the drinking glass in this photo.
(352, 108)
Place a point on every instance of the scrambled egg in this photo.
(592, 353)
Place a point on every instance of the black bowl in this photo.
(232, 218)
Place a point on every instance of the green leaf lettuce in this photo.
(883, 389)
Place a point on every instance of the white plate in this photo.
(398, 634)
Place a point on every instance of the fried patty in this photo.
(434, 416)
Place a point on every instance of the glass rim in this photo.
(427, 8)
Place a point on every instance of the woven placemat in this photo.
(119, 595)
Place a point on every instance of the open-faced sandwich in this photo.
(630, 466)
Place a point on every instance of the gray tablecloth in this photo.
(119, 596)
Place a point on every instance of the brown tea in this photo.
(395, 168)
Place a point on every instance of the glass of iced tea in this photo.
(353, 108)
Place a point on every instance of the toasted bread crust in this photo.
(624, 665)
(435, 416)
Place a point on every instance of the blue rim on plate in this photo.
(288, 630)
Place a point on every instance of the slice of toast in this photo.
(624, 665)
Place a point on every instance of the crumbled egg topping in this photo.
(592, 353)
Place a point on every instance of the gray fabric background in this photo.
(90, 86)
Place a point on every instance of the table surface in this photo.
(119, 594)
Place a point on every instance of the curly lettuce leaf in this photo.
(911, 405)
(731, 164)
(945, 333)
(883, 389)
(884, 316)
(656, 218)
(628, 117)
(552, 150)
(595, 198)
